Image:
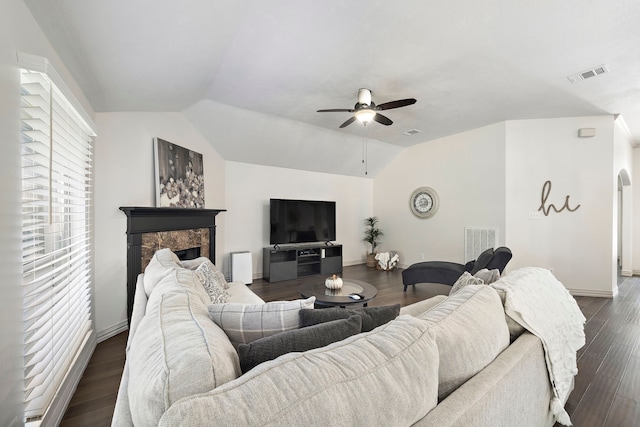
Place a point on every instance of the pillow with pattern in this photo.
(465, 279)
(211, 282)
(193, 264)
(244, 323)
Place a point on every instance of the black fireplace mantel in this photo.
(141, 220)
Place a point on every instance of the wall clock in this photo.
(424, 202)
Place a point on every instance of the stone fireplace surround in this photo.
(191, 232)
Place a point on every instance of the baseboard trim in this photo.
(112, 331)
(626, 273)
(592, 293)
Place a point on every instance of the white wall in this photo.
(623, 226)
(249, 188)
(579, 246)
(18, 33)
(467, 170)
(493, 176)
(124, 176)
(635, 194)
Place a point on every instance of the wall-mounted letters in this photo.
(546, 190)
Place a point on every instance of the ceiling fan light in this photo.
(364, 96)
(365, 115)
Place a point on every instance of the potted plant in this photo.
(372, 236)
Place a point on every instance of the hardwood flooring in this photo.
(607, 387)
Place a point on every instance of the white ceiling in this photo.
(468, 66)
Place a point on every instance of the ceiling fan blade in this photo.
(336, 110)
(382, 119)
(396, 104)
(348, 122)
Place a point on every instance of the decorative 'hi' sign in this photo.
(546, 190)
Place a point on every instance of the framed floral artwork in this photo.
(179, 176)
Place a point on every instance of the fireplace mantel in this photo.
(142, 220)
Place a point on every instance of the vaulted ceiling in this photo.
(265, 67)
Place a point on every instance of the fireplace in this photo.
(188, 232)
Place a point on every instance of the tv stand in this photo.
(290, 262)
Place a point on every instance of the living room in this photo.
(486, 174)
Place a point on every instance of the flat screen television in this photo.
(302, 221)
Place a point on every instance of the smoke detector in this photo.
(587, 74)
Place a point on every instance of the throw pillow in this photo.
(192, 264)
(372, 317)
(464, 280)
(488, 276)
(211, 283)
(244, 323)
(304, 339)
(482, 261)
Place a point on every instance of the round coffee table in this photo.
(339, 297)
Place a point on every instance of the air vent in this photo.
(575, 78)
(412, 132)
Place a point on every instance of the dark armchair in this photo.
(448, 272)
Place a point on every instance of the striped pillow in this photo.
(244, 323)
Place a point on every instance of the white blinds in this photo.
(56, 238)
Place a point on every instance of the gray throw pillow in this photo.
(482, 261)
(372, 317)
(269, 348)
(488, 276)
(465, 279)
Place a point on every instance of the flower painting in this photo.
(179, 176)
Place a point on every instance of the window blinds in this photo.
(56, 238)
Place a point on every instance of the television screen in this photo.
(302, 221)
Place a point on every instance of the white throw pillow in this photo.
(212, 283)
(464, 280)
(244, 323)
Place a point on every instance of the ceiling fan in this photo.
(366, 110)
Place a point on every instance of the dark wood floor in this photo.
(607, 389)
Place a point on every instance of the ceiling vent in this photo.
(575, 78)
(412, 132)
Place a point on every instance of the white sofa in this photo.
(445, 361)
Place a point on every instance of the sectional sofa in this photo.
(445, 361)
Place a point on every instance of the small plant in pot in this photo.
(372, 236)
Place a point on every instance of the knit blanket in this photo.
(535, 299)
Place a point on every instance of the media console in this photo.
(290, 262)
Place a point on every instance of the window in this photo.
(56, 239)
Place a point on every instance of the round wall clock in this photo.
(424, 202)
